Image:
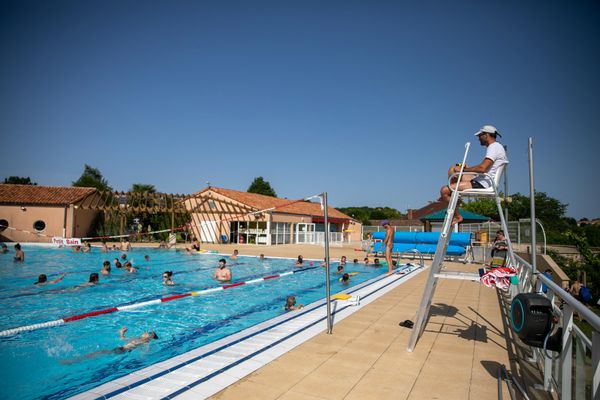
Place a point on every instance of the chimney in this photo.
(409, 213)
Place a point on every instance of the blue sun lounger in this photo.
(425, 242)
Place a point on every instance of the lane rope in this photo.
(13, 331)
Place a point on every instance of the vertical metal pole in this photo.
(505, 188)
(327, 283)
(532, 205)
(595, 364)
(64, 231)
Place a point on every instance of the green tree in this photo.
(550, 211)
(142, 188)
(92, 177)
(17, 180)
(485, 207)
(260, 186)
(365, 214)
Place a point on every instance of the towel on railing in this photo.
(498, 277)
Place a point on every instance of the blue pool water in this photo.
(51, 363)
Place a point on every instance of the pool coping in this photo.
(208, 369)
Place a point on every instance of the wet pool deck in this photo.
(457, 357)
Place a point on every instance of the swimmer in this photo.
(4, 248)
(343, 260)
(345, 279)
(129, 267)
(222, 273)
(104, 248)
(340, 269)
(43, 279)
(19, 254)
(290, 304)
(133, 343)
(105, 268)
(376, 262)
(147, 257)
(167, 278)
(196, 244)
(76, 249)
(261, 257)
(123, 256)
(87, 247)
(130, 345)
(355, 261)
(125, 246)
(117, 263)
(94, 279)
(299, 261)
(366, 260)
(234, 256)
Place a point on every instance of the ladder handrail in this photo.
(438, 259)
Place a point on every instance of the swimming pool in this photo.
(52, 363)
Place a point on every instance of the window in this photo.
(39, 225)
(212, 205)
(3, 224)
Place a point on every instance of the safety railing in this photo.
(574, 372)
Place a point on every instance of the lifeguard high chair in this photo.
(435, 272)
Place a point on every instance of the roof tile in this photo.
(42, 195)
(262, 202)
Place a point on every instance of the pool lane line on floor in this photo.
(214, 348)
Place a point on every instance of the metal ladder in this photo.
(438, 259)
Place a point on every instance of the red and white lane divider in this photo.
(127, 307)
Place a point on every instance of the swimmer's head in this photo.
(123, 256)
(340, 267)
(94, 278)
(42, 279)
(345, 278)
(290, 301)
(222, 263)
(149, 335)
(106, 264)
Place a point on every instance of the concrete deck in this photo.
(458, 356)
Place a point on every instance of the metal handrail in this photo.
(586, 313)
(530, 281)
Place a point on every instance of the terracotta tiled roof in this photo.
(42, 195)
(262, 202)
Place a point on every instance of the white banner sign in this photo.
(66, 241)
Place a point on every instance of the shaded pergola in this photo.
(439, 216)
(123, 203)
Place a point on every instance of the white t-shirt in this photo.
(496, 153)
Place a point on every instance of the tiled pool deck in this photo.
(457, 357)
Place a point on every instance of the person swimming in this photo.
(167, 278)
(222, 273)
(43, 279)
(345, 279)
(290, 304)
(19, 254)
(299, 261)
(129, 346)
(105, 268)
(340, 269)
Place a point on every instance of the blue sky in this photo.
(369, 101)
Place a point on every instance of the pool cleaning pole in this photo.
(327, 285)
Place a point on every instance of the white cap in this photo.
(488, 129)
